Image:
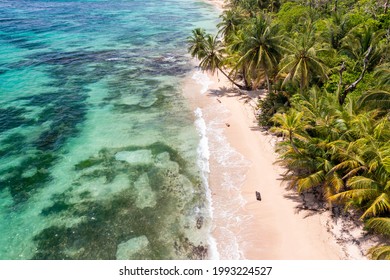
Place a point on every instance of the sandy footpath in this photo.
(242, 162)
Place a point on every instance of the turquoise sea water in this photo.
(98, 148)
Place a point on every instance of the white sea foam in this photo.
(204, 165)
(229, 214)
(115, 59)
(202, 79)
(203, 148)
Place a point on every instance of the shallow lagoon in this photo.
(98, 146)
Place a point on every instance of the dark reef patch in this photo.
(13, 144)
(56, 208)
(21, 181)
(12, 117)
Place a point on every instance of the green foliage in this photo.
(273, 102)
(292, 14)
(259, 50)
(301, 62)
(384, 21)
(325, 65)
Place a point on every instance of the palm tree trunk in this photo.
(244, 72)
(301, 85)
(386, 6)
(230, 79)
(268, 82)
(292, 143)
(340, 85)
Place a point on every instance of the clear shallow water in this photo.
(98, 148)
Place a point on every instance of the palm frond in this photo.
(380, 205)
(361, 182)
(356, 194)
(311, 181)
(380, 253)
(380, 225)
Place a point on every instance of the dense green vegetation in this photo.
(326, 67)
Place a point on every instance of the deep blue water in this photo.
(97, 143)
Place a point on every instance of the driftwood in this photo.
(258, 196)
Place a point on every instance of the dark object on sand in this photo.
(227, 124)
(258, 196)
(199, 222)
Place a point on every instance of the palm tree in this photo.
(260, 50)
(364, 43)
(234, 47)
(366, 162)
(337, 28)
(209, 50)
(213, 50)
(311, 163)
(302, 63)
(376, 98)
(365, 47)
(197, 43)
(229, 24)
(379, 97)
(367, 192)
(291, 126)
(382, 73)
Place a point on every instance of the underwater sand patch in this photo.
(126, 250)
(135, 157)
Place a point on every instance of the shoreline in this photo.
(219, 4)
(242, 162)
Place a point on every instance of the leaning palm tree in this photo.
(302, 63)
(261, 50)
(234, 49)
(209, 51)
